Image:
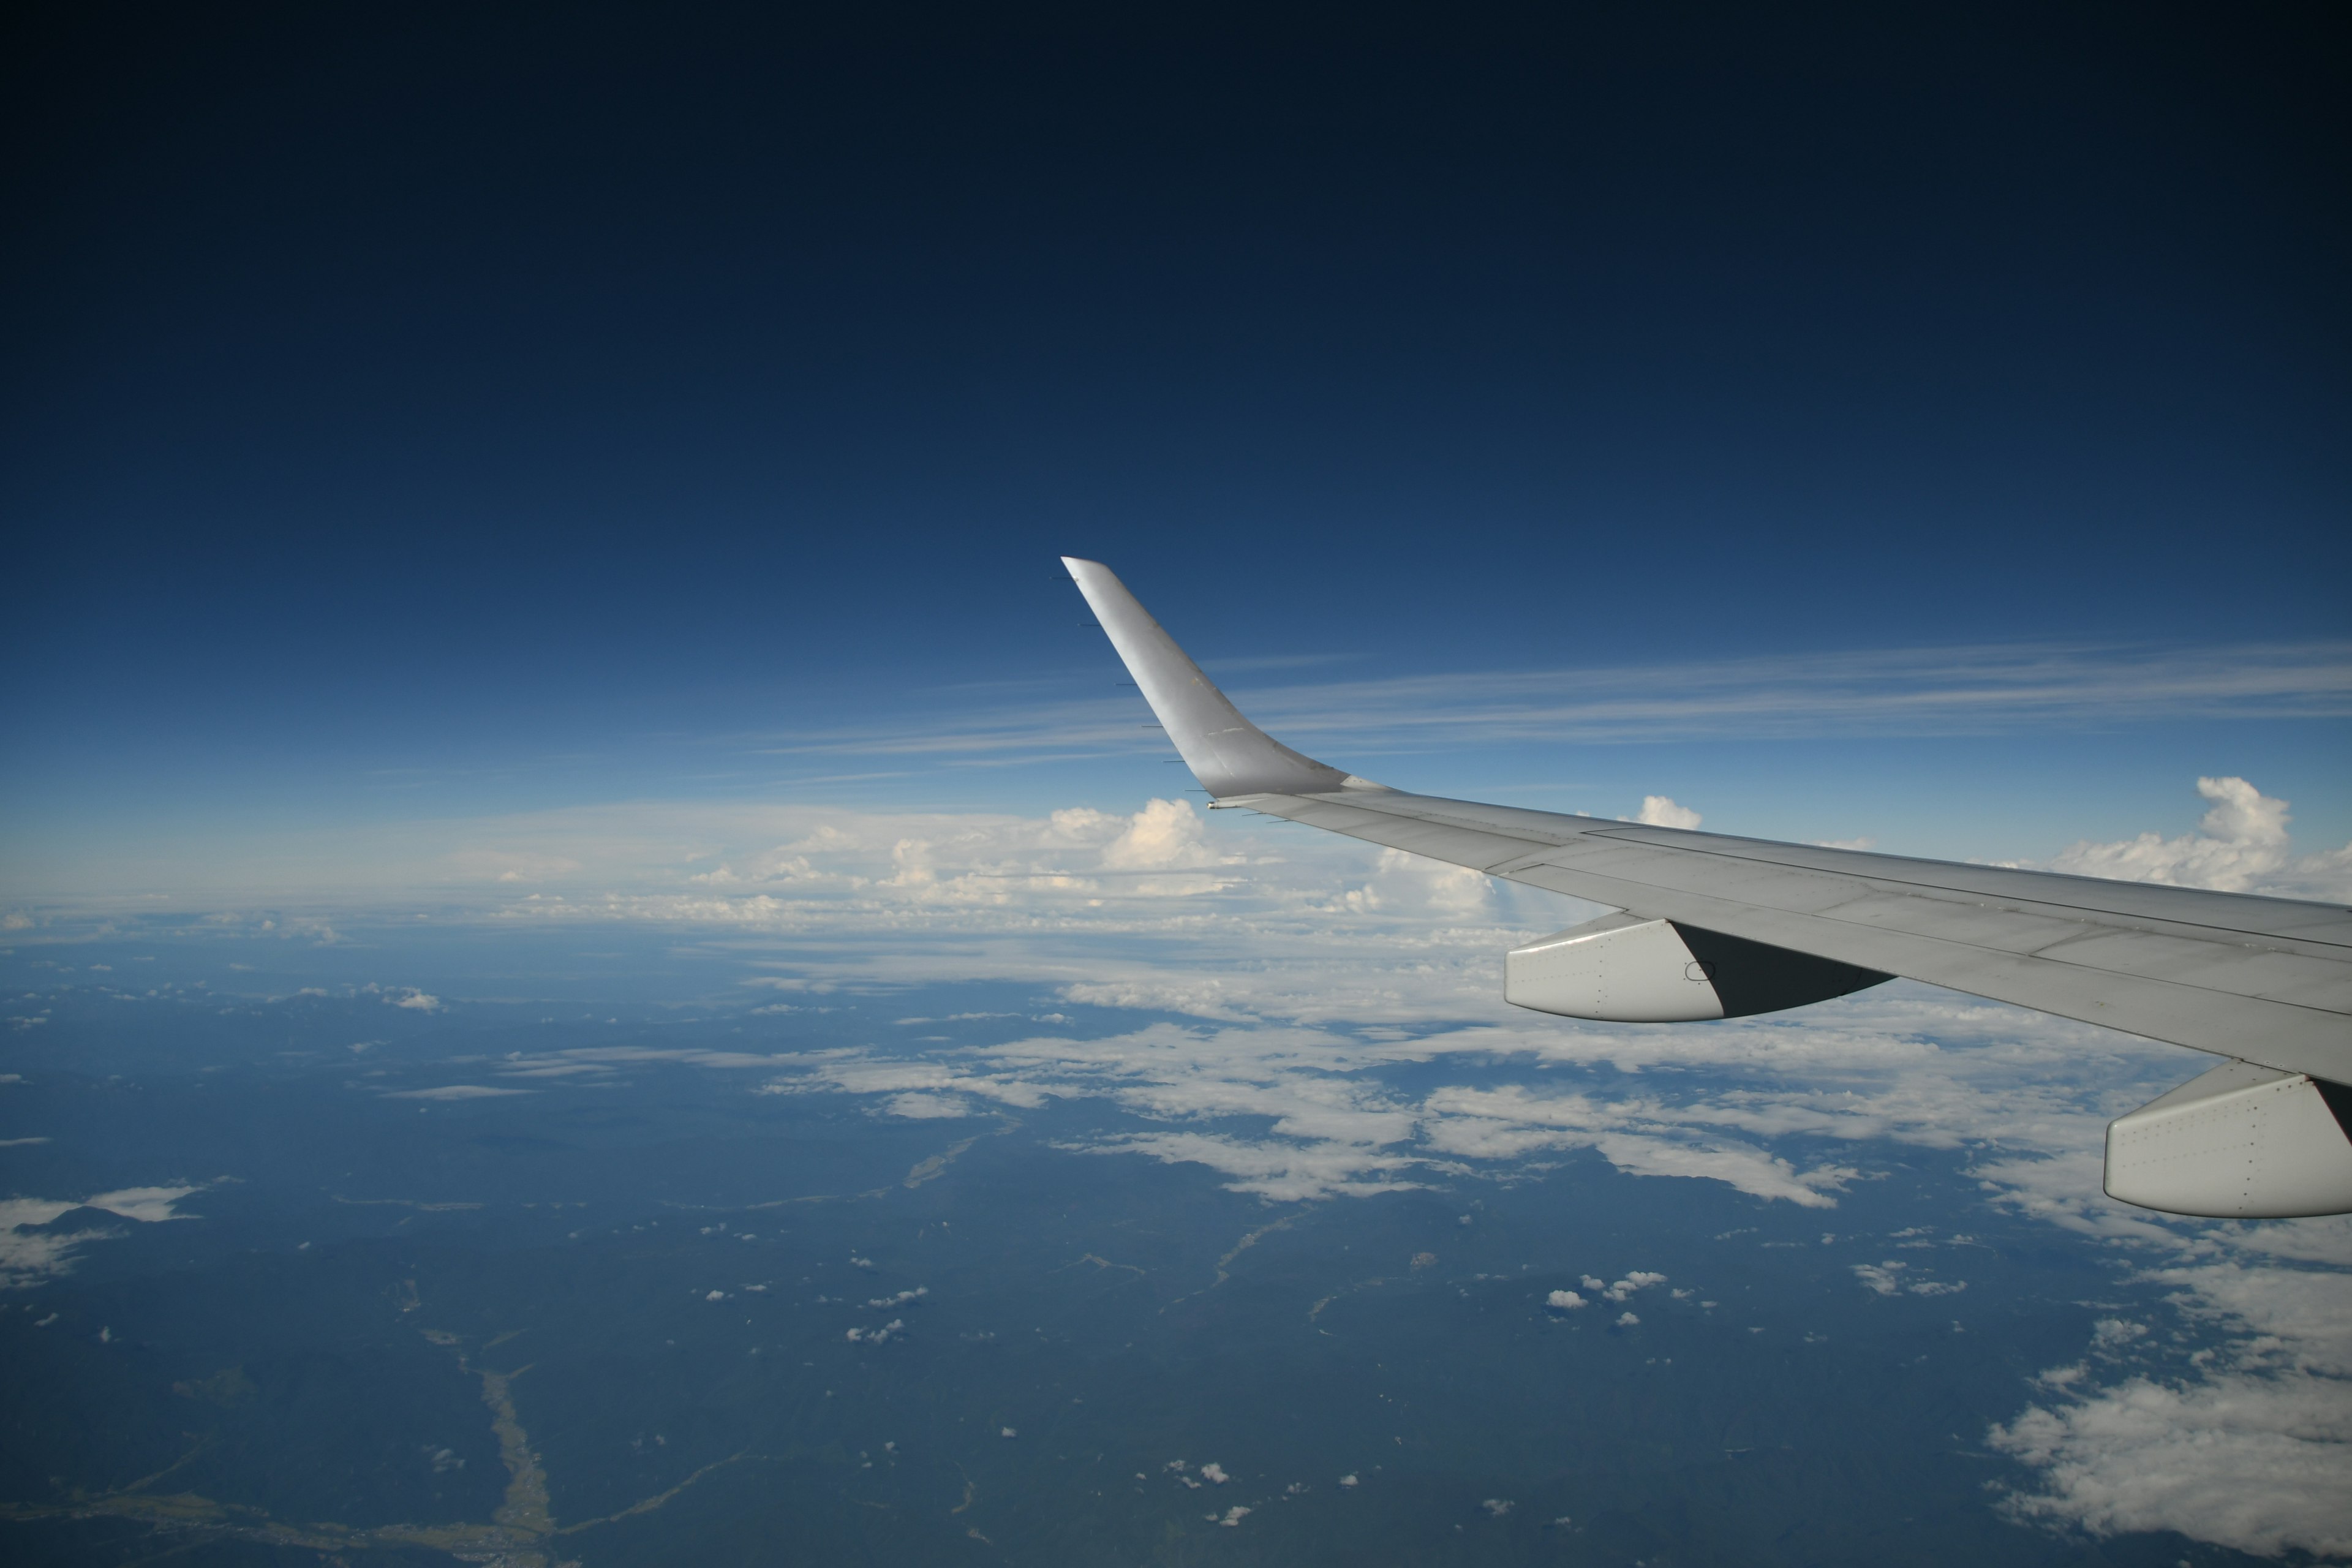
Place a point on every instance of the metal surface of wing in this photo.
(2266, 980)
(2260, 979)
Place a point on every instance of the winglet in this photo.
(1227, 752)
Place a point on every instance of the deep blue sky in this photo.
(548, 400)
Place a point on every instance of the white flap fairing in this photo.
(2241, 1142)
(1620, 967)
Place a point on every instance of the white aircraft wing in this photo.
(1717, 926)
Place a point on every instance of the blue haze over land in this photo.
(597, 966)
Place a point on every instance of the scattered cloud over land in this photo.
(1294, 1016)
(2247, 1448)
(30, 1255)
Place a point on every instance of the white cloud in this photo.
(1905, 1064)
(1880, 1276)
(1284, 1084)
(2250, 1462)
(147, 1205)
(1233, 1515)
(1877, 692)
(1278, 1172)
(1214, 1471)
(2027, 1097)
(1626, 1320)
(1660, 811)
(2112, 1333)
(1163, 835)
(455, 1092)
(922, 1107)
(1639, 1279)
(26, 1260)
(1564, 1301)
(2244, 1445)
(855, 1073)
(2241, 845)
(415, 1000)
(29, 1257)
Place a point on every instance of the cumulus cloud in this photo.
(2241, 845)
(2245, 1444)
(1564, 1301)
(1887, 1278)
(1879, 1276)
(1403, 884)
(1164, 836)
(1660, 811)
(1639, 1279)
(2249, 1462)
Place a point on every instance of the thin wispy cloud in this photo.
(1914, 692)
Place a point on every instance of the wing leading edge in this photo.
(2262, 980)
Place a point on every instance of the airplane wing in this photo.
(1717, 926)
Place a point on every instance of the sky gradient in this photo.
(458, 414)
